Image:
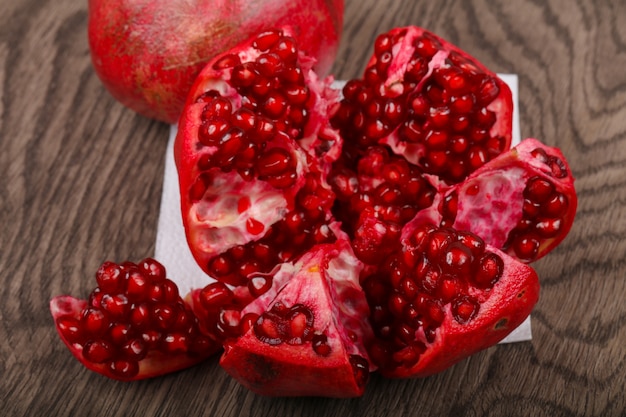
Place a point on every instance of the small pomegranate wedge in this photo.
(309, 338)
(443, 296)
(134, 324)
(430, 102)
(523, 202)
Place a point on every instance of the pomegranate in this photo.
(134, 324)
(442, 296)
(523, 201)
(430, 102)
(309, 338)
(148, 53)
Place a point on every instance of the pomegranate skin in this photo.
(148, 53)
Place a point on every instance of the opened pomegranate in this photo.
(442, 296)
(148, 53)
(523, 201)
(134, 324)
(430, 102)
(390, 228)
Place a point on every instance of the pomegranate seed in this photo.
(266, 40)
(320, 344)
(227, 61)
(465, 309)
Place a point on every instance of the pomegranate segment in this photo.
(134, 324)
(308, 337)
(253, 149)
(441, 297)
(430, 102)
(377, 194)
(523, 202)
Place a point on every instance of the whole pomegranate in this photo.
(148, 52)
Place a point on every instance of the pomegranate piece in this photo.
(309, 337)
(443, 296)
(253, 150)
(149, 53)
(523, 202)
(377, 192)
(430, 102)
(134, 325)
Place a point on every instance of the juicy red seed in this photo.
(360, 369)
(269, 64)
(538, 189)
(246, 322)
(485, 118)
(134, 349)
(382, 43)
(275, 105)
(488, 91)
(97, 351)
(436, 139)
(489, 271)
(228, 324)
(124, 368)
(109, 278)
(463, 104)
(259, 285)
(175, 343)
(477, 157)
(438, 241)
(265, 40)
(119, 333)
(227, 61)
(164, 316)
(320, 344)
(215, 295)
(116, 306)
(70, 329)
(465, 309)
(286, 49)
(526, 247)
(94, 322)
(556, 206)
(440, 117)
(253, 226)
(473, 242)
(558, 167)
(211, 130)
(244, 75)
(548, 228)
(136, 287)
(141, 316)
(199, 187)
(458, 258)
(297, 94)
(275, 161)
(427, 46)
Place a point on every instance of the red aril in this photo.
(133, 325)
(148, 53)
(429, 101)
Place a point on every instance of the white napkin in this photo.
(171, 247)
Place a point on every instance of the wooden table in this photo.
(81, 179)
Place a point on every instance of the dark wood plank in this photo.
(81, 179)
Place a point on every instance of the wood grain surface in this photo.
(81, 179)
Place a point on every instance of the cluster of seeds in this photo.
(444, 111)
(380, 185)
(134, 312)
(408, 294)
(254, 138)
